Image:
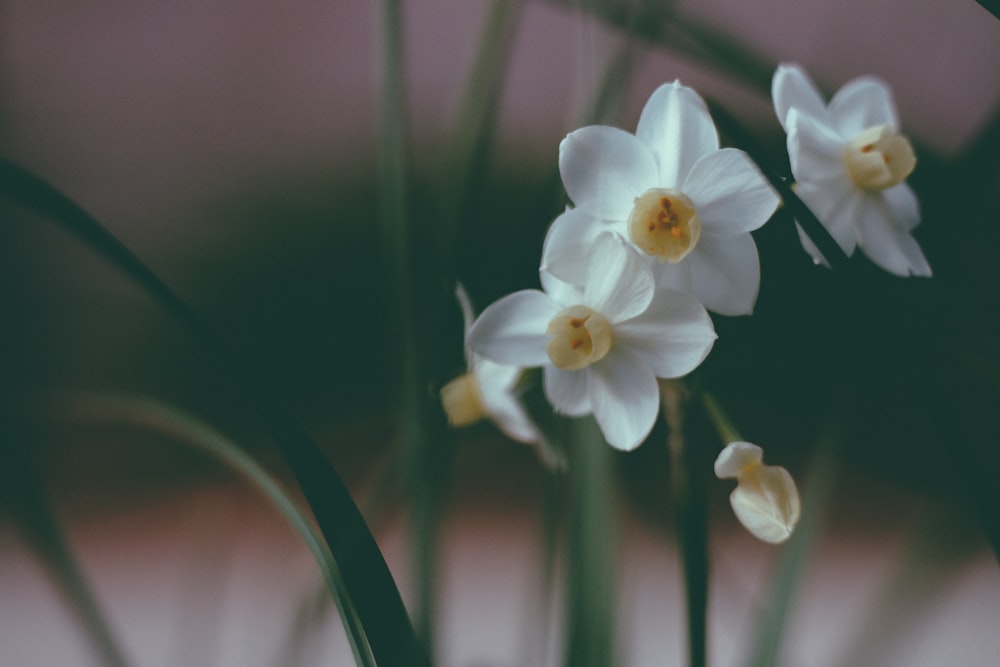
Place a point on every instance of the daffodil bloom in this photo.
(765, 499)
(686, 205)
(486, 391)
(602, 344)
(850, 163)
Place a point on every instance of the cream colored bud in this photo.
(765, 500)
(462, 401)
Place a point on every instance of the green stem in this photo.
(152, 414)
(727, 432)
(42, 531)
(691, 515)
(367, 577)
(423, 441)
(590, 553)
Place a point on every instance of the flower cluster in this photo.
(658, 234)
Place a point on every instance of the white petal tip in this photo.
(735, 458)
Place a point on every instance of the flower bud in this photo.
(765, 500)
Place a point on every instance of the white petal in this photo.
(862, 103)
(495, 384)
(564, 293)
(604, 169)
(735, 457)
(495, 378)
(810, 247)
(887, 244)
(567, 391)
(816, 152)
(467, 317)
(791, 88)
(672, 337)
(836, 205)
(624, 397)
(620, 284)
(567, 246)
(673, 276)
(767, 503)
(729, 193)
(725, 273)
(512, 330)
(676, 125)
(904, 206)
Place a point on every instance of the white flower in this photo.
(680, 200)
(486, 391)
(603, 344)
(849, 162)
(765, 501)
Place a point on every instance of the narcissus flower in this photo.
(486, 391)
(765, 500)
(849, 161)
(602, 344)
(686, 205)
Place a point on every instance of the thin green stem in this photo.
(691, 516)
(41, 529)
(794, 556)
(476, 123)
(727, 432)
(158, 416)
(420, 444)
(369, 582)
(590, 568)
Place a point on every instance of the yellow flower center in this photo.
(580, 337)
(878, 158)
(462, 401)
(663, 224)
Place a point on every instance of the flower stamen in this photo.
(663, 224)
(878, 158)
(580, 337)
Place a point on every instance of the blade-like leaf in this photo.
(366, 576)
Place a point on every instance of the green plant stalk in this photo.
(475, 126)
(727, 432)
(691, 517)
(41, 530)
(158, 416)
(420, 446)
(590, 554)
(366, 576)
(794, 556)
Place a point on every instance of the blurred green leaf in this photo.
(149, 413)
(366, 576)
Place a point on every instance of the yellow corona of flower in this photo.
(765, 499)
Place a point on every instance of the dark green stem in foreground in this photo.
(366, 576)
(31, 508)
(590, 638)
(691, 517)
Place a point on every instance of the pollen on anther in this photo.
(575, 343)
